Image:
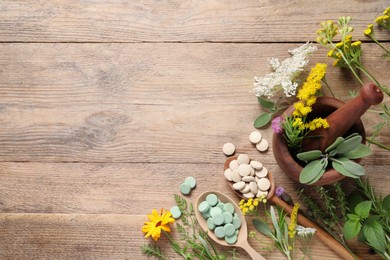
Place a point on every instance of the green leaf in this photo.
(266, 103)
(354, 199)
(275, 223)
(386, 203)
(349, 144)
(309, 155)
(375, 235)
(313, 170)
(363, 208)
(335, 144)
(352, 167)
(361, 151)
(262, 120)
(353, 217)
(351, 229)
(340, 169)
(262, 227)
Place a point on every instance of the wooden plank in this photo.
(75, 236)
(183, 21)
(121, 188)
(140, 102)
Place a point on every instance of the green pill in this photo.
(231, 240)
(219, 232)
(175, 211)
(212, 199)
(228, 207)
(229, 229)
(215, 211)
(203, 207)
(210, 224)
(228, 217)
(220, 205)
(218, 219)
(185, 189)
(190, 181)
(236, 222)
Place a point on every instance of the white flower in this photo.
(285, 73)
(303, 232)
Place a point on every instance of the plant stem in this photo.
(327, 85)
(370, 140)
(383, 88)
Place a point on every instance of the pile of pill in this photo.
(256, 138)
(188, 185)
(221, 218)
(249, 177)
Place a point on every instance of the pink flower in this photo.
(277, 125)
(279, 191)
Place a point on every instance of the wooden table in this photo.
(106, 106)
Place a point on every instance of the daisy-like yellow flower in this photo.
(157, 223)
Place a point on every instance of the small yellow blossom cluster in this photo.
(328, 31)
(350, 49)
(293, 222)
(384, 20)
(249, 206)
(307, 97)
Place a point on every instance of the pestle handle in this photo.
(341, 120)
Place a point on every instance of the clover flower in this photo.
(276, 125)
(279, 191)
(284, 75)
(157, 223)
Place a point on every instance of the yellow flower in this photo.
(356, 44)
(387, 11)
(293, 222)
(255, 202)
(157, 223)
(369, 30)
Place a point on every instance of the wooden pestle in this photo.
(341, 120)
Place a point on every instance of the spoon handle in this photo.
(324, 236)
(251, 252)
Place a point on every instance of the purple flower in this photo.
(277, 124)
(279, 191)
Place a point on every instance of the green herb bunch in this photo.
(369, 219)
(193, 244)
(340, 154)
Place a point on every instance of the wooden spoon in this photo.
(242, 240)
(302, 220)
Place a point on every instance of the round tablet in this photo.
(248, 195)
(262, 173)
(229, 229)
(262, 146)
(215, 211)
(218, 219)
(244, 169)
(236, 222)
(231, 240)
(228, 207)
(264, 184)
(239, 185)
(256, 165)
(255, 137)
(190, 181)
(243, 158)
(175, 211)
(233, 165)
(248, 178)
(203, 207)
(212, 199)
(228, 149)
(210, 224)
(260, 192)
(245, 189)
(219, 232)
(221, 205)
(228, 174)
(253, 187)
(185, 189)
(235, 176)
(228, 217)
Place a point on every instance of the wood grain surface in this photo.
(107, 106)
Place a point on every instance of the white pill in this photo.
(262, 146)
(260, 192)
(264, 184)
(239, 185)
(244, 169)
(253, 187)
(228, 149)
(248, 195)
(235, 176)
(245, 189)
(228, 174)
(256, 165)
(233, 165)
(252, 171)
(255, 137)
(248, 178)
(262, 173)
(243, 158)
